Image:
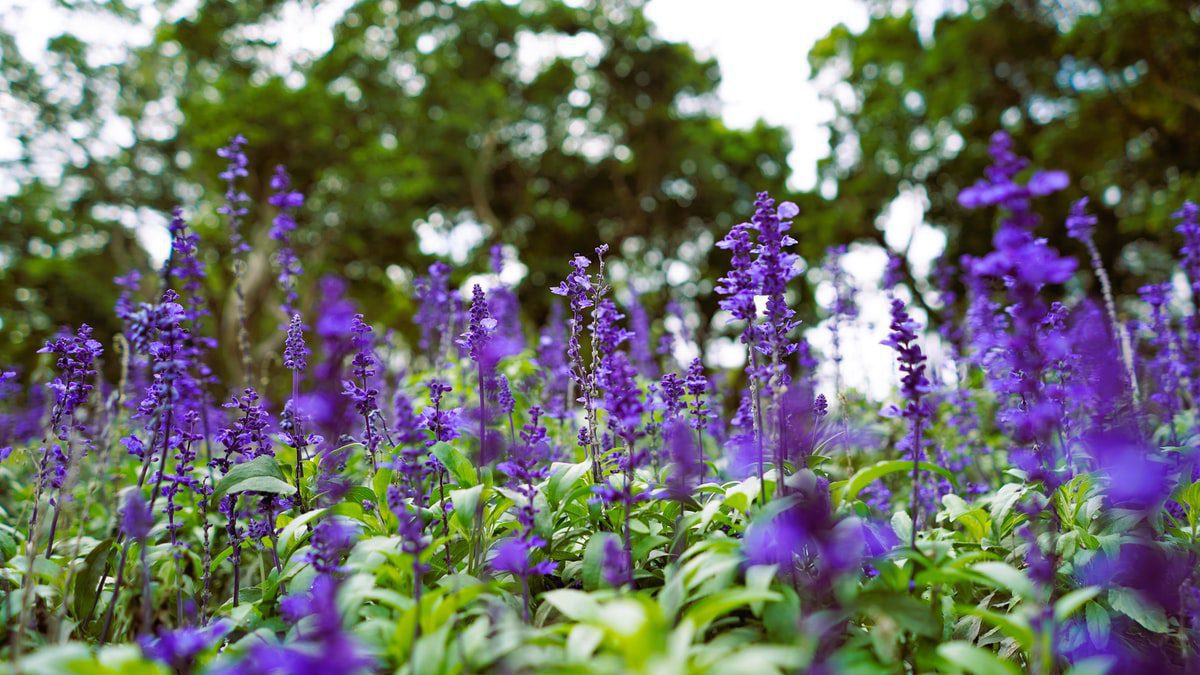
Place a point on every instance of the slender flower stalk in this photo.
(442, 424)
(526, 465)
(283, 226)
(136, 522)
(234, 210)
(295, 359)
(577, 288)
(913, 387)
(75, 358)
(1081, 226)
(740, 288)
(476, 341)
(697, 389)
(624, 404)
(360, 391)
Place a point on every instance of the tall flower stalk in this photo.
(283, 226)
(913, 387)
(234, 210)
(295, 359)
(476, 343)
(740, 288)
(526, 465)
(359, 389)
(1081, 227)
(577, 289)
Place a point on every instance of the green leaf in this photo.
(1004, 500)
(1014, 626)
(466, 503)
(975, 520)
(361, 493)
(8, 546)
(456, 463)
(1099, 625)
(710, 608)
(573, 604)
(564, 478)
(1007, 577)
(1131, 604)
(261, 474)
(84, 593)
(291, 532)
(758, 578)
(593, 560)
(902, 525)
(1073, 601)
(975, 660)
(582, 642)
(870, 474)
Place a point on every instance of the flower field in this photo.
(573, 498)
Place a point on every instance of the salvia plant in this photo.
(577, 497)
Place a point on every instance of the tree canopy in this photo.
(542, 126)
(1108, 91)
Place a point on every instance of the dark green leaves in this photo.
(261, 474)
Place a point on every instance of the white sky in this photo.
(761, 46)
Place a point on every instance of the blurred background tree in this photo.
(1108, 90)
(428, 128)
(435, 129)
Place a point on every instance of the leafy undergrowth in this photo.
(578, 503)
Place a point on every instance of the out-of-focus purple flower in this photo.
(179, 648)
(844, 308)
(639, 339)
(234, 208)
(323, 646)
(1165, 363)
(998, 187)
(623, 398)
(806, 536)
(282, 227)
(1080, 223)
(136, 518)
(187, 267)
(616, 564)
(406, 424)
(1137, 479)
(1016, 350)
(129, 284)
(893, 273)
(504, 395)
(433, 315)
(331, 540)
(684, 455)
(1188, 227)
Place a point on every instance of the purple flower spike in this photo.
(136, 518)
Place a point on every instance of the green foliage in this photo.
(1087, 87)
